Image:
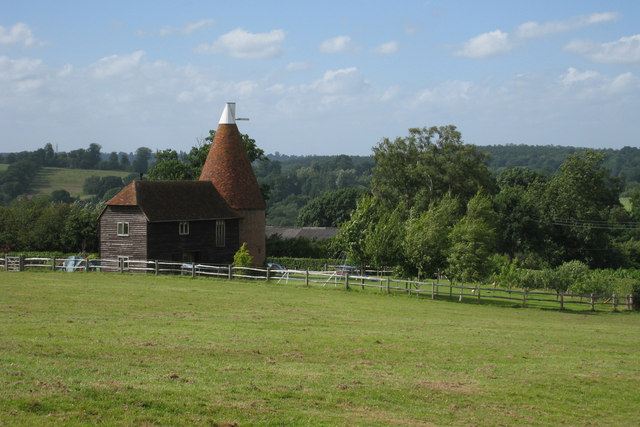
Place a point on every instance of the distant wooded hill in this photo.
(296, 180)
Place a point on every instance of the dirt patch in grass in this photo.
(449, 386)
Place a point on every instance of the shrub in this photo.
(242, 258)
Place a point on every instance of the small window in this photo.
(123, 229)
(123, 263)
(220, 233)
(183, 228)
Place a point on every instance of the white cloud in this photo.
(390, 94)
(66, 70)
(387, 48)
(626, 50)
(16, 69)
(535, 29)
(592, 86)
(449, 92)
(187, 29)
(574, 76)
(496, 42)
(343, 81)
(242, 44)
(625, 83)
(338, 44)
(18, 35)
(486, 45)
(297, 66)
(116, 65)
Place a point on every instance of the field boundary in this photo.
(338, 278)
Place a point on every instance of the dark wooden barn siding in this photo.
(134, 245)
(166, 244)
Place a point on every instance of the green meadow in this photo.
(50, 179)
(90, 348)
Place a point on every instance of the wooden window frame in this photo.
(123, 229)
(183, 228)
(221, 233)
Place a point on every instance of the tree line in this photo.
(435, 207)
(424, 203)
(23, 167)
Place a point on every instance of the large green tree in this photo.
(141, 162)
(329, 210)
(427, 164)
(352, 234)
(427, 240)
(520, 231)
(577, 207)
(472, 242)
(169, 167)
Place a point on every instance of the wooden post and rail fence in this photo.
(338, 278)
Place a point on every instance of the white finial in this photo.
(228, 116)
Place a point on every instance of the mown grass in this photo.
(86, 348)
(50, 179)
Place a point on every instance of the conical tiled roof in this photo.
(228, 166)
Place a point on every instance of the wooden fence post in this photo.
(306, 278)
(346, 281)
(53, 263)
(524, 297)
(155, 267)
(388, 285)
(561, 300)
(615, 302)
(230, 272)
(268, 273)
(478, 291)
(461, 291)
(592, 303)
(86, 265)
(433, 288)
(193, 270)
(629, 302)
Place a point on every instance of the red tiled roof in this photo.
(126, 196)
(228, 167)
(175, 200)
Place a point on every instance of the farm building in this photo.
(203, 221)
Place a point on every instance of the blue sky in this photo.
(330, 77)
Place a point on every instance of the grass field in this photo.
(51, 179)
(79, 348)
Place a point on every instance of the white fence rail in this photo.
(339, 277)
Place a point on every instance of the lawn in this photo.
(50, 179)
(84, 348)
